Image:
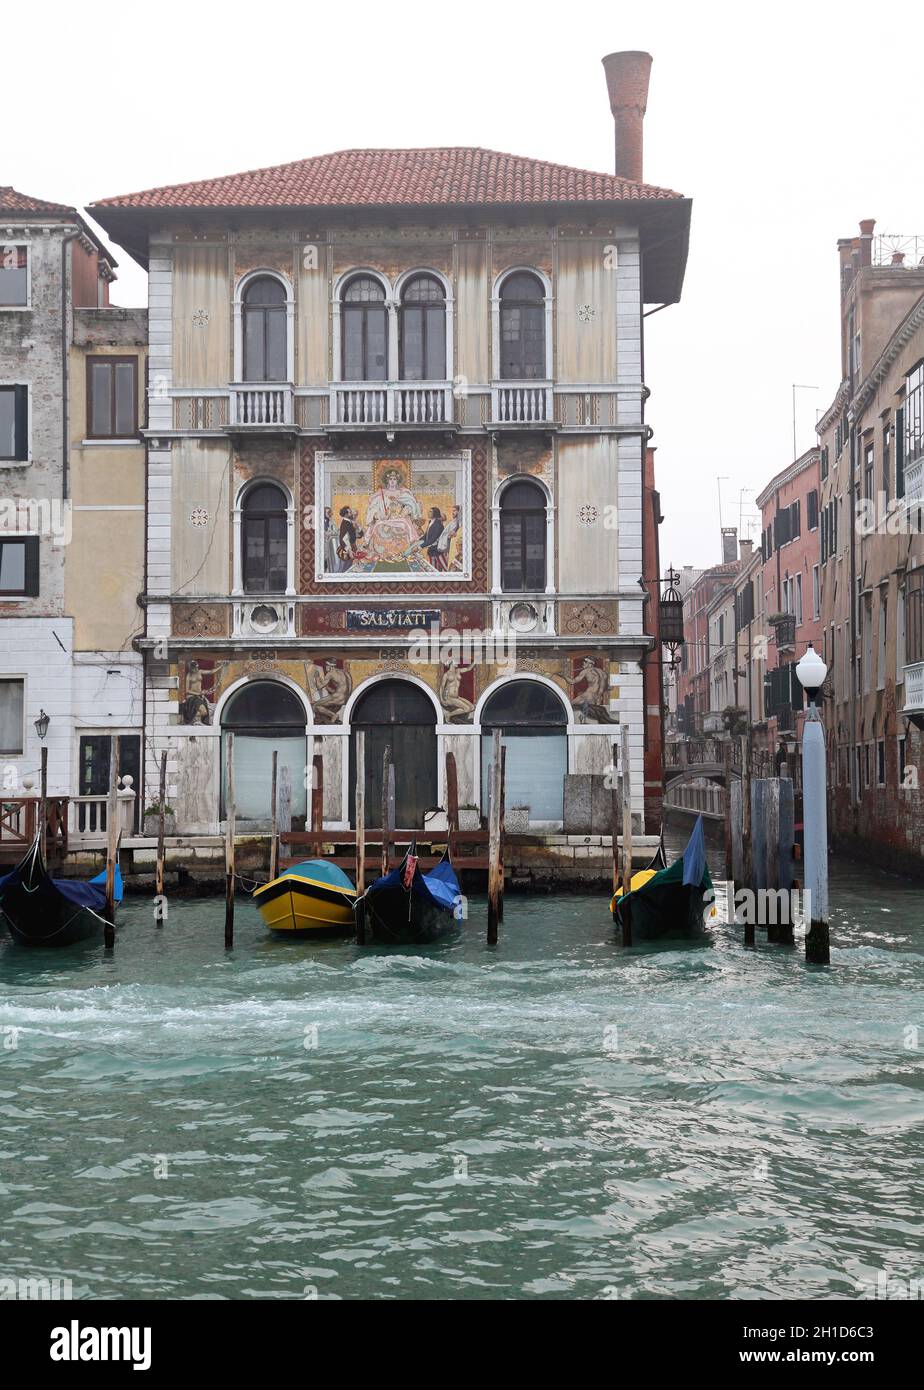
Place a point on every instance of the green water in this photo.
(551, 1118)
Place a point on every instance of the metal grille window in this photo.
(522, 328)
(265, 541)
(522, 538)
(423, 330)
(914, 414)
(14, 277)
(365, 331)
(914, 617)
(265, 315)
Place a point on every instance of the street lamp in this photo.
(41, 724)
(811, 671)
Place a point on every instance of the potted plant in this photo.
(151, 814)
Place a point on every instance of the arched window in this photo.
(264, 540)
(522, 328)
(523, 538)
(533, 725)
(265, 328)
(265, 717)
(396, 715)
(423, 330)
(364, 330)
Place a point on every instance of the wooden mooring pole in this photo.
(360, 832)
(161, 831)
(112, 842)
(615, 812)
(317, 793)
(274, 818)
(452, 802)
(494, 835)
(500, 835)
(727, 767)
(386, 768)
(626, 836)
(41, 828)
(229, 844)
(747, 843)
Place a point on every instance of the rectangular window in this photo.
(19, 566)
(900, 452)
(812, 508)
(798, 607)
(816, 592)
(901, 759)
(887, 458)
(900, 638)
(880, 762)
(14, 277)
(112, 397)
(867, 646)
(869, 484)
(881, 644)
(11, 716)
(14, 424)
(914, 413)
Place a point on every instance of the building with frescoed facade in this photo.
(393, 391)
(71, 506)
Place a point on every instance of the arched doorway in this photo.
(396, 715)
(533, 723)
(263, 716)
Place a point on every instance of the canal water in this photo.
(552, 1118)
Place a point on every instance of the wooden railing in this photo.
(19, 817)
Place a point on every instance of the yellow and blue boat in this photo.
(313, 898)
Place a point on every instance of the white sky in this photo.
(786, 124)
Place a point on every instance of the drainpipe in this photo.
(65, 363)
(854, 611)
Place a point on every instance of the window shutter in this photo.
(32, 567)
(21, 443)
(795, 520)
(900, 452)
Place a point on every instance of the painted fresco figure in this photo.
(454, 705)
(331, 564)
(431, 537)
(347, 541)
(590, 705)
(195, 708)
(443, 546)
(328, 691)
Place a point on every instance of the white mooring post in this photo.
(811, 671)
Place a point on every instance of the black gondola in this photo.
(674, 903)
(407, 907)
(44, 911)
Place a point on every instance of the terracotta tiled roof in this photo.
(426, 177)
(11, 201)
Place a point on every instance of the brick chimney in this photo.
(746, 547)
(627, 76)
(866, 241)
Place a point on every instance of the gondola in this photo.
(314, 898)
(407, 907)
(670, 903)
(45, 911)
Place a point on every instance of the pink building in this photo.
(791, 577)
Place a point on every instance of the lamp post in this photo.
(811, 672)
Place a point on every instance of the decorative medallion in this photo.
(588, 618)
(199, 516)
(589, 514)
(586, 313)
(200, 318)
(201, 620)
